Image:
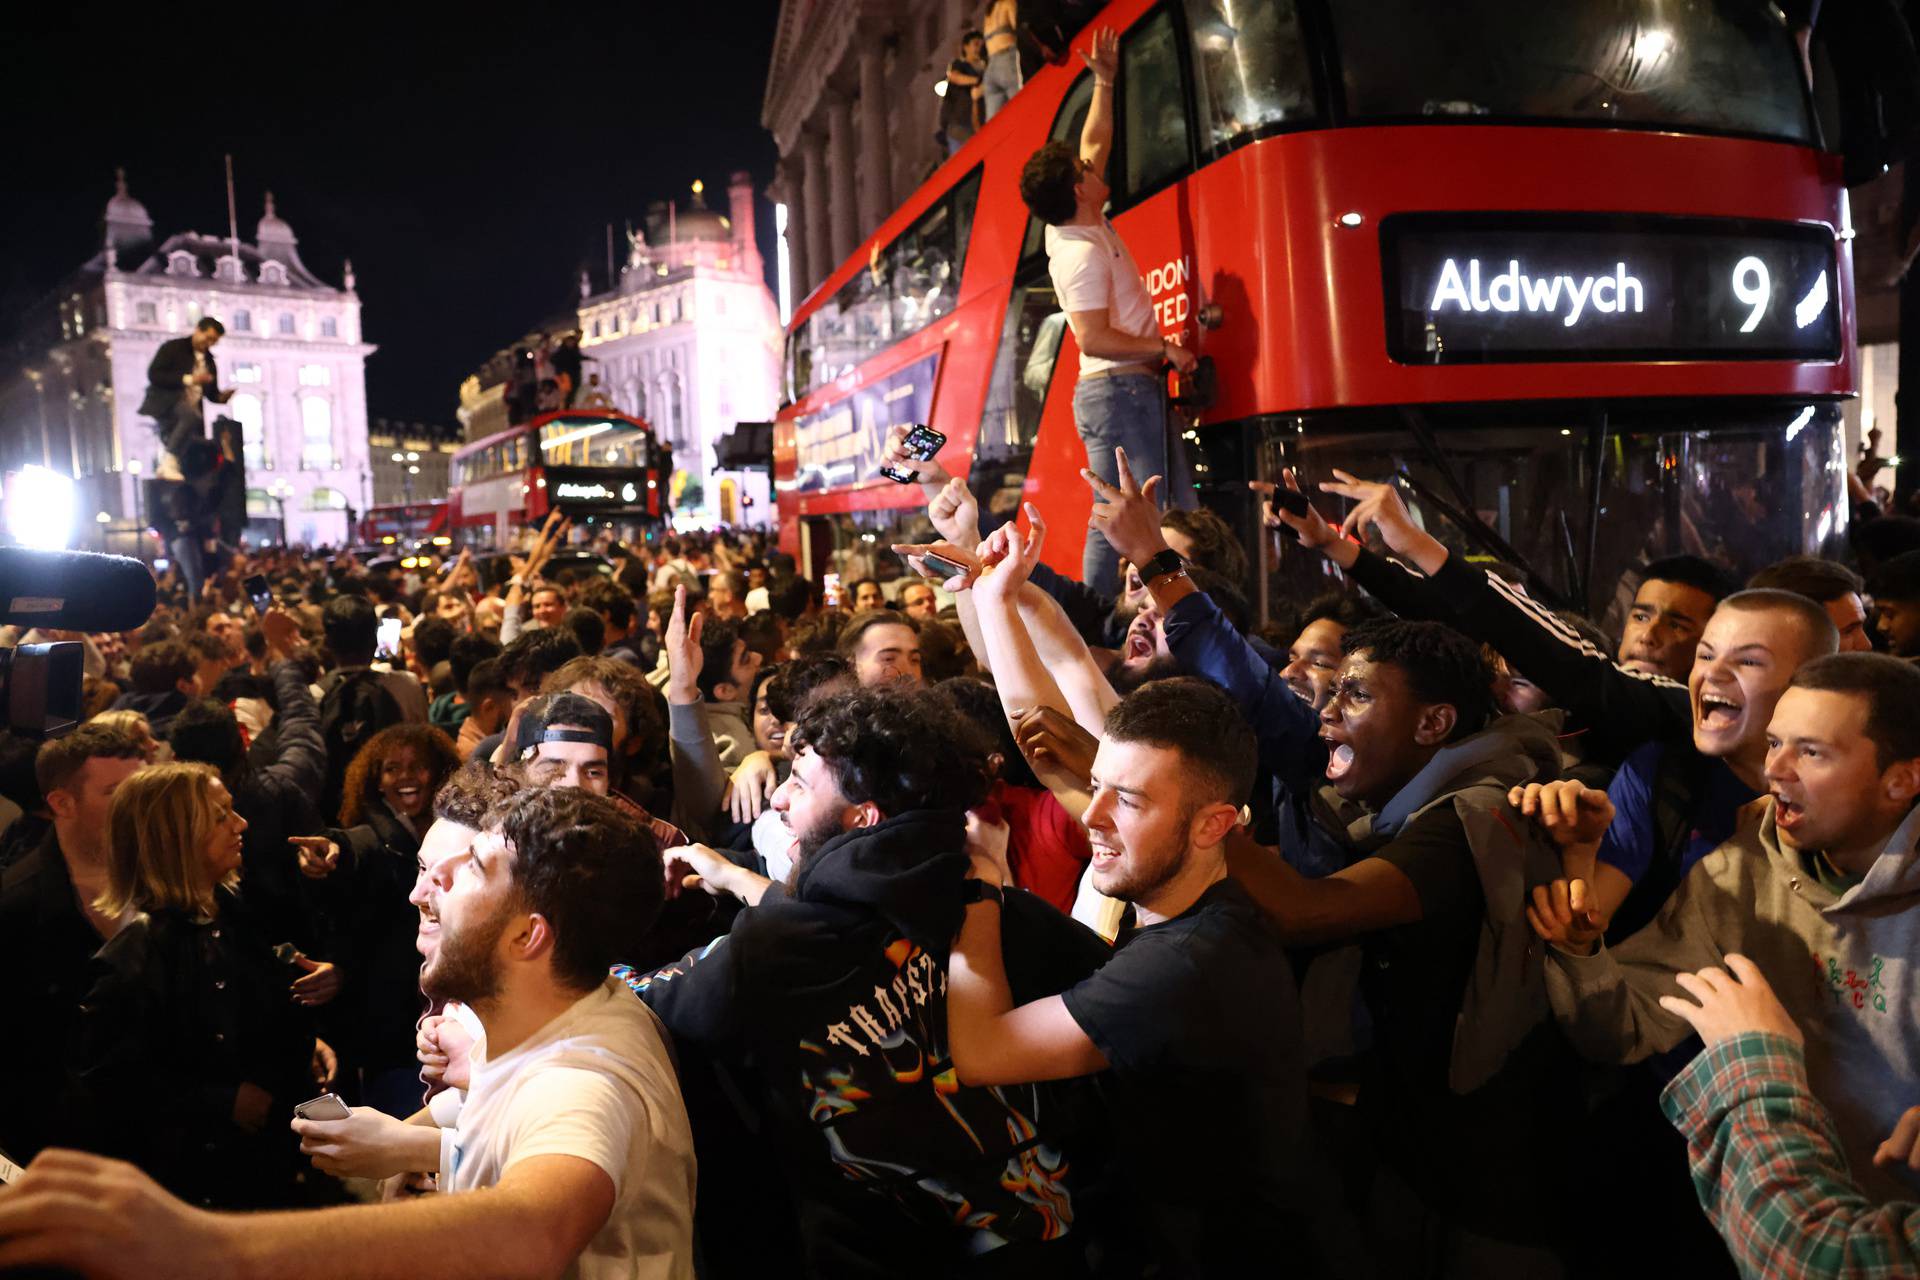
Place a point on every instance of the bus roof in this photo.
(558, 415)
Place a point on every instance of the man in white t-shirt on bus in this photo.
(1121, 398)
(569, 1154)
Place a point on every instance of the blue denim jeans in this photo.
(1127, 412)
(1000, 83)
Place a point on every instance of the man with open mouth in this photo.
(1820, 887)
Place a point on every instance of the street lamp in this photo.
(280, 491)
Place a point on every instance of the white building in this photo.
(690, 340)
(852, 105)
(292, 355)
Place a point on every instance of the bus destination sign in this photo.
(1480, 288)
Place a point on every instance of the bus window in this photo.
(1712, 65)
(1250, 70)
(1153, 108)
(906, 285)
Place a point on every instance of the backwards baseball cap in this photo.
(562, 717)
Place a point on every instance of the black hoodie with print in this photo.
(836, 994)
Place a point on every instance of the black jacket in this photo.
(46, 949)
(837, 995)
(158, 708)
(181, 1012)
(371, 929)
(166, 378)
(276, 795)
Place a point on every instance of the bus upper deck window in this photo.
(1153, 106)
(1250, 69)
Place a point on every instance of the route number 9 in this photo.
(1753, 286)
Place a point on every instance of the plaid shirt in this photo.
(1768, 1170)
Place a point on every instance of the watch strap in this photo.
(972, 891)
(1162, 563)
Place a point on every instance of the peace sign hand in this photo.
(1126, 513)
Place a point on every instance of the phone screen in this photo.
(388, 649)
(161, 564)
(923, 442)
(260, 593)
(830, 588)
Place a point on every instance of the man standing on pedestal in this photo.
(180, 378)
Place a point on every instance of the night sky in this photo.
(467, 166)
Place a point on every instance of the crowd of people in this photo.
(674, 920)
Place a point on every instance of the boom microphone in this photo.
(73, 590)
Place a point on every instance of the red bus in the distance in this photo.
(1582, 278)
(404, 524)
(600, 467)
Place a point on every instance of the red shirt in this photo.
(1047, 850)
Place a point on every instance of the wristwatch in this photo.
(1161, 563)
(972, 891)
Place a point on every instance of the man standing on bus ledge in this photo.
(1121, 398)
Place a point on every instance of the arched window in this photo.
(325, 499)
(246, 410)
(329, 328)
(272, 273)
(316, 434)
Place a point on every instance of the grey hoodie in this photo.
(1844, 967)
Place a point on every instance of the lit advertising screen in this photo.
(1478, 288)
(840, 445)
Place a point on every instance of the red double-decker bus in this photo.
(600, 467)
(404, 524)
(1580, 275)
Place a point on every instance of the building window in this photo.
(680, 307)
(329, 328)
(656, 313)
(272, 273)
(243, 321)
(146, 313)
(246, 410)
(181, 263)
(260, 503)
(246, 371)
(596, 328)
(316, 434)
(315, 375)
(286, 322)
(325, 499)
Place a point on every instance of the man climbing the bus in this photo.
(1121, 398)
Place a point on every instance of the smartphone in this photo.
(161, 564)
(327, 1106)
(260, 593)
(388, 647)
(944, 567)
(830, 590)
(1290, 500)
(922, 443)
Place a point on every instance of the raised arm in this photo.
(1019, 674)
(1102, 57)
(1066, 657)
(1621, 709)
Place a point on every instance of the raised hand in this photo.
(1732, 1002)
(955, 513)
(987, 848)
(894, 454)
(684, 658)
(1311, 530)
(1010, 557)
(320, 984)
(1102, 56)
(1573, 814)
(1380, 507)
(916, 552)
(1128, 514)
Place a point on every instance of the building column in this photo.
(793, 188)
(820, 259)
(841, 162)
(876, 153)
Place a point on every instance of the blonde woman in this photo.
(135, 723)
(196, 1040)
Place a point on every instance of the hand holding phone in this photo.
(328, 1106)
(260, 593)
(921, 444)
(388, 644)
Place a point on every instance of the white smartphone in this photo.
(388, 643)
(327, 1106)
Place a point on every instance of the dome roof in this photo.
(123, 208)
(702, 224)
(272, 227)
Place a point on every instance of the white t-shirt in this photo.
(596, 1083)
(1093, 271)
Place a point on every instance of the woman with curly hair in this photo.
(190, 1055)
(368, 863)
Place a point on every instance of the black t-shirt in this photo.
(1200, 1022)
(956, 108)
